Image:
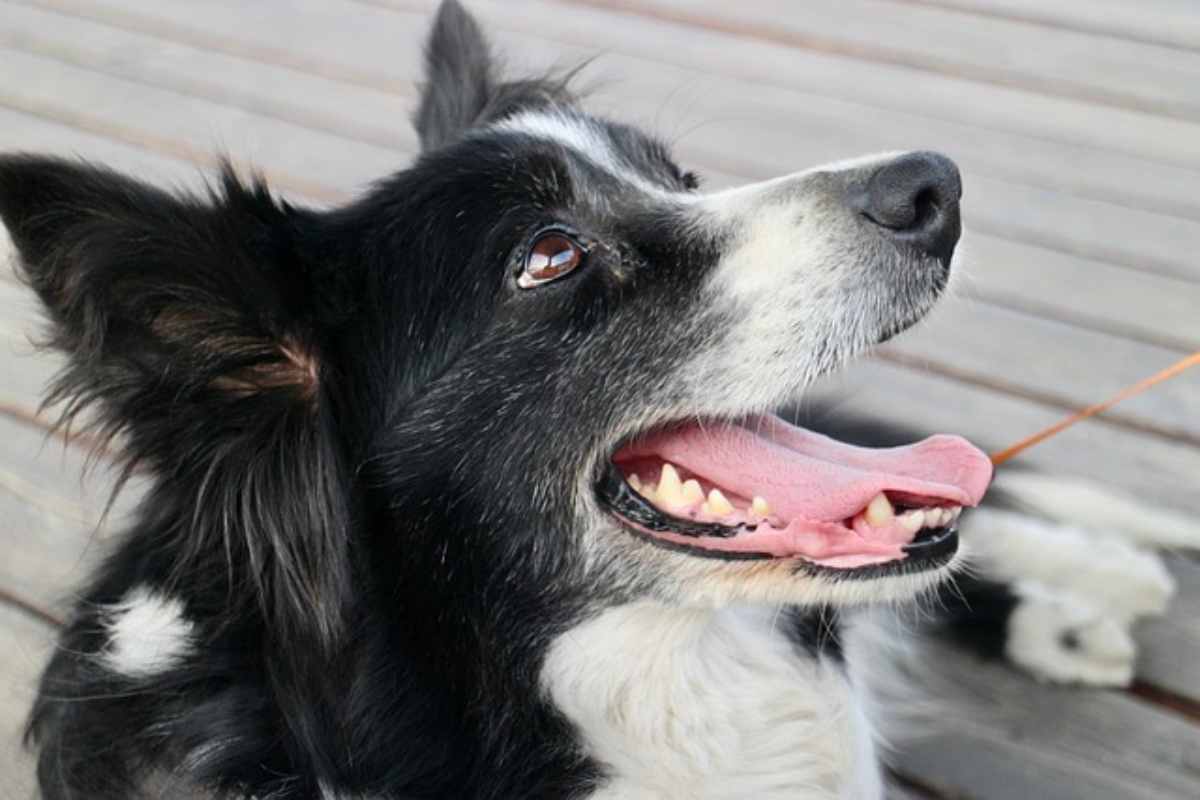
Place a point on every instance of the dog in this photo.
(474, 487)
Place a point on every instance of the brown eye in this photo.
(552, 256)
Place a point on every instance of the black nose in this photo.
(914, 199)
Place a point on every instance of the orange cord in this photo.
(1001, 456)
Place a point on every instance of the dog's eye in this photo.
(552, 255)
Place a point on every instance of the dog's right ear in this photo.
(463, 87)
(195, 329)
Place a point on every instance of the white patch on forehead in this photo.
(588, 140)
(148, 633)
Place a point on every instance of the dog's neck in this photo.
(692, 703)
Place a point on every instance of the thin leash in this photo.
(1001, 456)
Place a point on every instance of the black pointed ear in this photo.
(463, 86)
(192, 330)
(459, 77)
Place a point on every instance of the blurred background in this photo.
(1077, 127)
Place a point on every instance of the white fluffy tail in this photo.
(1078, 502)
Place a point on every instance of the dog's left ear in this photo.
(463, 88)
(195, 330)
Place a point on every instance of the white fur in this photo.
(1108, 573)
(589, 141)
(802, 287)
(1102, 652)
(147, 633)
(705, 704)
(1082, 503)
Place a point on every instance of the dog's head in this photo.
(540, 362)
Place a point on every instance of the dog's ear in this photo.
(458, 74)
(463, 87)
(193, 334)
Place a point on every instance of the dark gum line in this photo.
(631, 507)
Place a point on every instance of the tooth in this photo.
(913, 521)
(647, 491)
(934, 518)
(717, 503)
(670, 489)
(759, 506)
(692, 493)
(955, 511)
(635, 482)
(880, 511)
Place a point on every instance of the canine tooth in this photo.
(880, 512)
(718, 504)
(759, 506)
(913, 521)
(670, 488)
(692, 493)
(635, 482)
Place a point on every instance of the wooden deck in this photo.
(1077, 124)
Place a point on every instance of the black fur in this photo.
(305, 390)
(339, 414)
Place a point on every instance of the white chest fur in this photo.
(710, 704)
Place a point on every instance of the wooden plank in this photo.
(1158, 470)
(765, 64)
(1049, 217)
(998, 736)
(363, 45)
(1171, 23)
(1063, 63)
(52, 534)
(1054, 360)
(304, 160)
(1169, 655)
(344, 109)
(29, 133)
(1155, 309)
(27, 646)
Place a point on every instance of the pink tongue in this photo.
(807, 476)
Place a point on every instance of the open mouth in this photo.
(762, 488)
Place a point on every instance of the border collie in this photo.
(473, 487)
